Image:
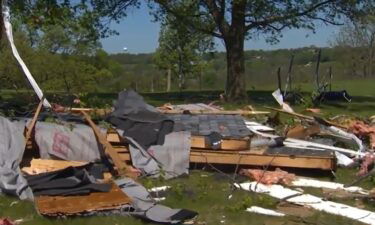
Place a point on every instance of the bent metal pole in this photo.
(9, 34)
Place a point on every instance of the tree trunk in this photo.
(1, 19)
(235, 89)
(169, 78)
(200, 79)
(234, 39)
(152, 85)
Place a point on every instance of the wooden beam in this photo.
(122, 167)
(226, 144)
(254, 158)
(198, 142)
(30, 127)
(295, 161)
(219, 112)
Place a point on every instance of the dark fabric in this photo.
(214, 140)
(69, 181)
(184, 214)
(334, 96)
(140, 121)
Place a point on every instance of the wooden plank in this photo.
(251, 158)
(263, 160)
(30, 127)
(122, 167)
(226, 144)
(113, 137)
(231, 144)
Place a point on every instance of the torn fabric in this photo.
(169, 160)
(12, 146)
(139, 120)
(75, 143)
(9, 34)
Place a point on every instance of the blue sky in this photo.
(140, 35)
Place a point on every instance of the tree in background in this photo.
(181, 51)
(59, 41)
(233, 21)
(359, 37)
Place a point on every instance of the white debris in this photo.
(307, 200)
(157, 189)
(279, 98)
(307, 182)
(343, 160)
(259, 210)
(259, 127)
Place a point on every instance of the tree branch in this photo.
(218, 15)
(187, 22)
(274, 19)
(326, 20)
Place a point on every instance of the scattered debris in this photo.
(280, 99)
(302, 132)
(5, 221)
(314, 110)
(363, 130)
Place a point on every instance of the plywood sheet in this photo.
(74, 205)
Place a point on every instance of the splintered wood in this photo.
(122, 167)
(240, 155)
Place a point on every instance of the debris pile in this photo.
(74, 167)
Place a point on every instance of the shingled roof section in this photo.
(229, 126)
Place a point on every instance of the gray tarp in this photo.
(145, 207)
(12, 146)
(74, 142)
(170, 159)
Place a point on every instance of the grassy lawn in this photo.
(203, 191)
(207, 191)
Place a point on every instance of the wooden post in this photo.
(122, 167)
(279, 79)
(288, 83)
(330, 78)
(32, 123)
(317, 70)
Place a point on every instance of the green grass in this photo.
(204, 192)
